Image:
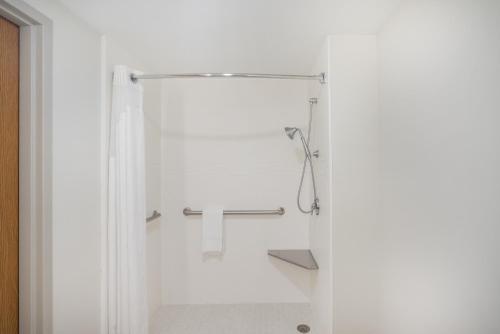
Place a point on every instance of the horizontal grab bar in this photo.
(280, 211)
(155, 215)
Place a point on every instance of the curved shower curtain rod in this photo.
(320, 77)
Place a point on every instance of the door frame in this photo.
(35, 166)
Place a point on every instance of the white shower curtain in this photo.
(127, 304)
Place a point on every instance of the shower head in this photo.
(290, 132)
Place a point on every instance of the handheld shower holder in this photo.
(313, 100)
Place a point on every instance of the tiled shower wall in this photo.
(223, 144)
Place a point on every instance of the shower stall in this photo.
(221, 142)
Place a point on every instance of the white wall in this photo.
(76, 172)
(116, 54)
(344, 291)
(354, 94)
(223, 143)
(440, 102)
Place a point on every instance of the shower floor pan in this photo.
(230, 319)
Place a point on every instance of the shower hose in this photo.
(315, 205)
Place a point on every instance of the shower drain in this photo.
(303, 328)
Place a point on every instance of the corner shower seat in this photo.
(299, 257)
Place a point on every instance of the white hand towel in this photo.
(213, 230)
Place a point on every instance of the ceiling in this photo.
(281, 36)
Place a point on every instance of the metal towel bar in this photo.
(280, 211)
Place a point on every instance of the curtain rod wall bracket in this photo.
(322, 79)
